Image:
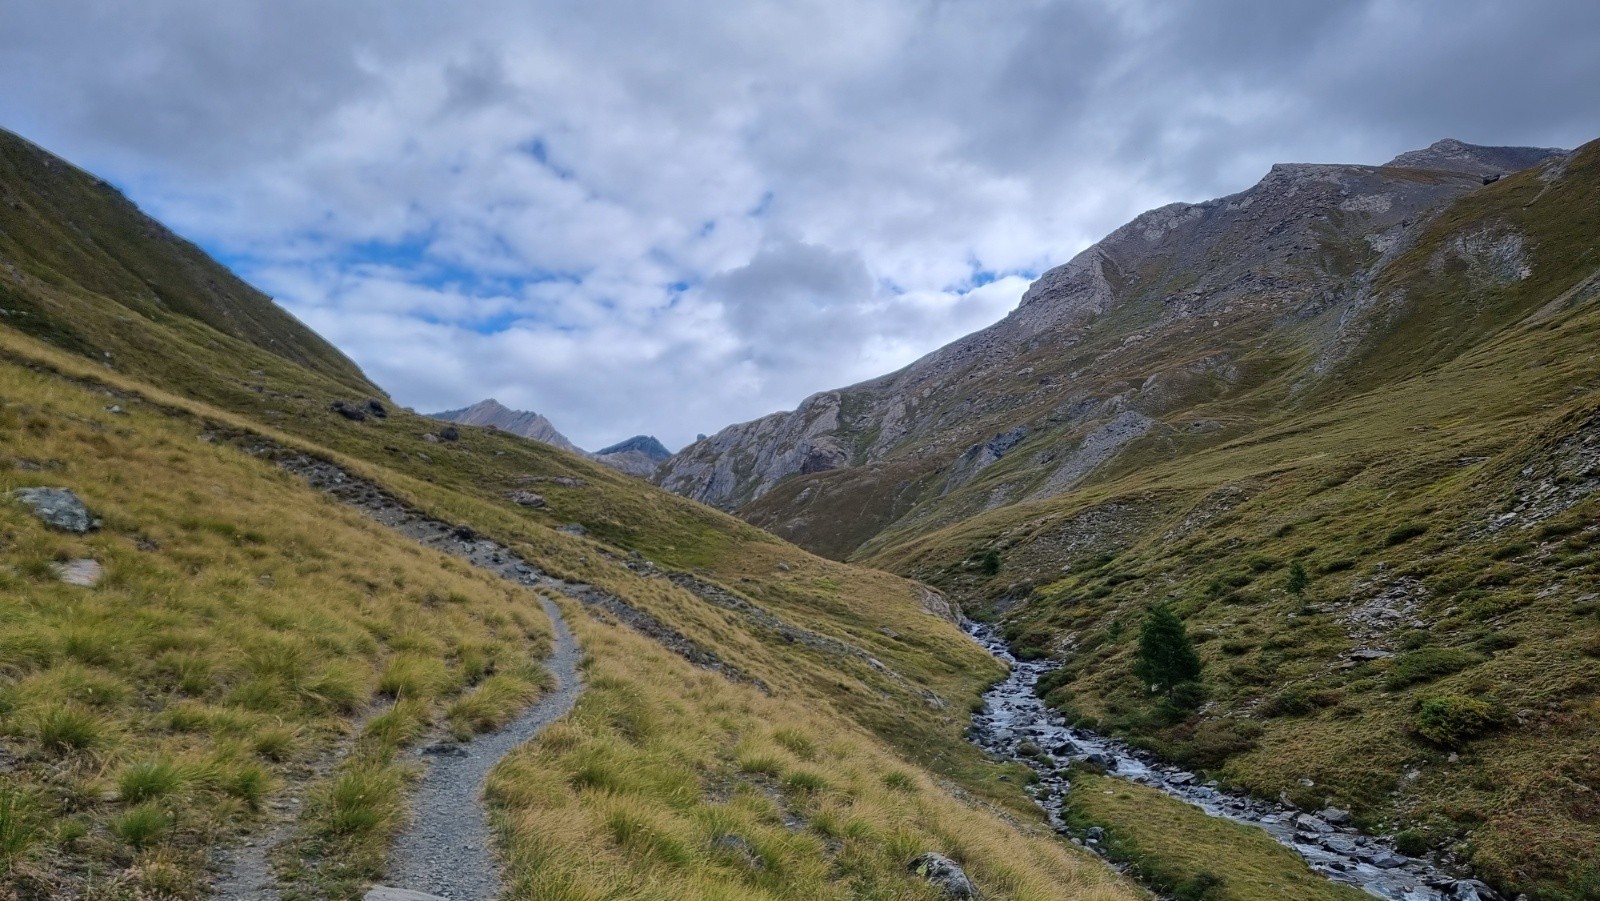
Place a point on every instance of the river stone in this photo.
(386, 893)
(1305, 822)
(82, 573)
(945, 875)
(58, 508)
(1334, 815)
(1473, 890)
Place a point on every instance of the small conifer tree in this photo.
(1166, 657)
(1298, 580)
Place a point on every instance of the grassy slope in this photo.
(66, 237)
(1388, 477)
(226, 521)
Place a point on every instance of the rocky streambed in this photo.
(1014, 722)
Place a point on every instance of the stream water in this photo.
(1013, 714)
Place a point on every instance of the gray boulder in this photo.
(945, 875)
(1473, 890)
(1334, 815)
(58, 508)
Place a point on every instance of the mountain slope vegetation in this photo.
(758, 722)
(1384, 379)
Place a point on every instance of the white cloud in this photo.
(666, 217)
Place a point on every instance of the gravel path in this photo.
(446, 849)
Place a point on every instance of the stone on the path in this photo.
(58, 508)
(386, 893)
(944, 874)
(82, 573)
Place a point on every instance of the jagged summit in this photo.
(1458, 156)
(528, 424)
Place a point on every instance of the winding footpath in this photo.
(446, 850)
(1014, 714)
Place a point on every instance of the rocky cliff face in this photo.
(518, 422)
(1185, 304)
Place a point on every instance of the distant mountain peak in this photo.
(644, 444)
(490, 412)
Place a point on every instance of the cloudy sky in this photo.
(668, 216)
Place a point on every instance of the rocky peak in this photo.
(527, 424)
(1458, 156)
(640, 444)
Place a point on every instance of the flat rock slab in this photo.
(83, 573)
(385, 893)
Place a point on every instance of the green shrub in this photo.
(989, 562)
(1412, 842)
(1452, 720)
(1427, 664)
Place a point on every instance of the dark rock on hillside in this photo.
(450, 433)
(58, 508)
(352, 413)
(944, 874)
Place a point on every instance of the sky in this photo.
(667, 217)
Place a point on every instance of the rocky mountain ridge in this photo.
(1106, 348)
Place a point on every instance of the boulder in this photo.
(944, 874)
(1305, 822)
(354, 414)
(450, 433)
(82, 573)
(58, 508)
(1334, 815)
(376, 408)
(1473, 890)
(526, 499)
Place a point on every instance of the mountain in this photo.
(518, 422)
(82, 268)
(1166, 311)
(253, 604)
(1343, 424)
(637, 456)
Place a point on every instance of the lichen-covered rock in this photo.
(944, 874)
(58, 508)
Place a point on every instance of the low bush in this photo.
(1453, 720)
(1428, 664)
